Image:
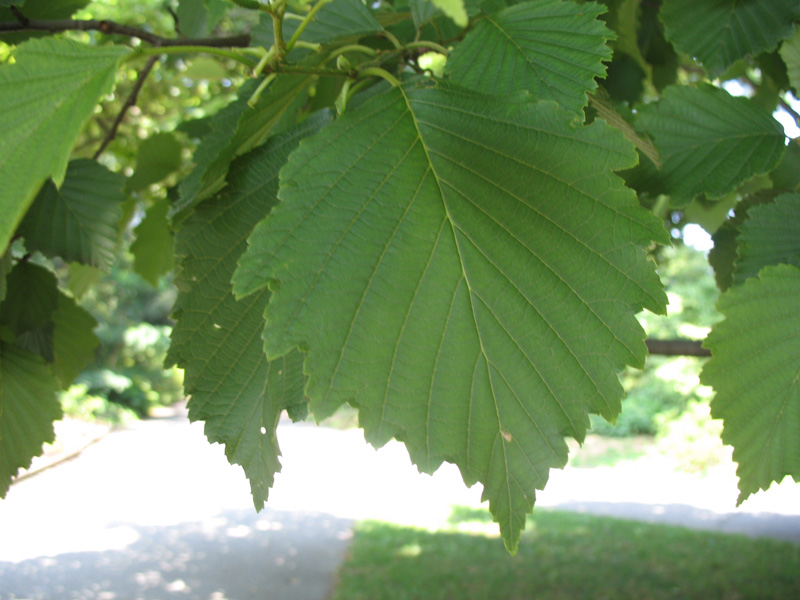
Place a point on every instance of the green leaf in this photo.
(197, 18)
(217, 338)
(81, 278)
(422, 11)
(52, 87)
(237, 129)
(454, 9)
(338, 20)
(770, 236)
(80, 221)
(603, 105)
(5, 268)
(624, 21)
(720, 32)
(74, 340)
(710, 142)
(158, 157)
(451, 270)
(790, 53)
(153, 248)
(786, 176)
(31, 298)
(552, 48)
(755, 371)
(28, 407)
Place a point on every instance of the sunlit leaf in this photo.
(53, 86)
(457, 275)
(551, 48)
(755, 371)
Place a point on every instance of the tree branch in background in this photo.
(112, 28)
(676, 348)
(131, 101)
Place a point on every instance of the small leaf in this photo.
(53, 86)
(28, 407)
(158, 156)
(769, 236)
(710, 142)
(761, 414)
(456, 274)
(80, 221)
(73, 340)
(153, 247)
(233, 387)
(790, 53)
(720, 32)
(551, 48)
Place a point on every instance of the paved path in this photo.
(154, 511)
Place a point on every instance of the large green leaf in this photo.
(217, 338)
(48, 93)
(237, 129)
(28, 407)
(770, 236)
(710, 142)
(80, 221)
(720, 32)
(452, 270)
(552, 48)
(755, 371)
(73, 339)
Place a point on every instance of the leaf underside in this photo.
(457, 275)
(552, 49)
(710, 142)
(755, 371)
(233, 388)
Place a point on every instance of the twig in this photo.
(131, 101)
(113, 28)
(677, 348)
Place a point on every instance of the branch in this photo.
(676, 348)
(112, 28)
(131, 101)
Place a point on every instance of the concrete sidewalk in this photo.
(154, 511)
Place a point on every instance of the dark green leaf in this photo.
(720, 32)
(710, 142)
(552, 48)
(53, 86)
(153, 248)
(37, 9)
(73, 340)
(455, 280)
(422, 11)
(5, 268)
(786, 175)
(159, 156)
(769, 236)
(31, 298)
(217, 338)
(755, 371)
(80, 221)
(28, 407)
(790, 53)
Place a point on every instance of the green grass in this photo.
(565, 556)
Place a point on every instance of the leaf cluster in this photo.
(437, 211)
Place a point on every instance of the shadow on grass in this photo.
(565, 556)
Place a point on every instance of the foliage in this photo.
(563, 556)
(459, 253)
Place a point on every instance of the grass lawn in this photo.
(565, 556)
